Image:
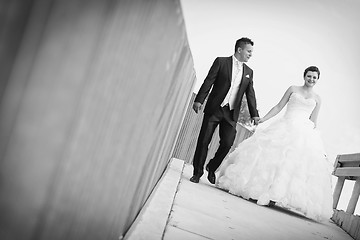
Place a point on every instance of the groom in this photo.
(228, 79)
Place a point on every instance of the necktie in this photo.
(234, 84)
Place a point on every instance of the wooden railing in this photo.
(347, 167)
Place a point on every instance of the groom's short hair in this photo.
(242, 42)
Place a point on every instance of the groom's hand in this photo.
(256, 120)
(197, 106)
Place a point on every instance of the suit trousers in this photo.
(223, 118)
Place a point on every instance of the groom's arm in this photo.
(251, 99)
(208, 82)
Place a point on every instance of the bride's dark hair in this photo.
(312, 69)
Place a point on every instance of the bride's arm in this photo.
(315, 112)
(278, 107)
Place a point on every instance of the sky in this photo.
(289, 36)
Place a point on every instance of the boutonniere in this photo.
(247, 76)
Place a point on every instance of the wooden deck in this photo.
(202, 211)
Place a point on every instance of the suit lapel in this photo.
(229, 67)
(244, 80)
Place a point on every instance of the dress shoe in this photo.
(271, 203)
(195, 178)
(211, 175)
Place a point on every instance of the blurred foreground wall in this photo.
(93, 94)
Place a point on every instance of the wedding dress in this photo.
(285, 163)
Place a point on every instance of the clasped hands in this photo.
(256, 120)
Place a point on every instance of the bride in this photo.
(285, 163)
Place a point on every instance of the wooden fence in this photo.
(92, 97)
(186, 142)
(347, 167)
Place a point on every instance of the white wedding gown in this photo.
(284, 162)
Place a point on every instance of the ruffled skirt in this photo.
(285, 163)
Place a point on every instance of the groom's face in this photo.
(245, 52)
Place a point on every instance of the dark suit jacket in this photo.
(218, 81)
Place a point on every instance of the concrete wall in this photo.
(91, 107)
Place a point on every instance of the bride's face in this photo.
(311, 78)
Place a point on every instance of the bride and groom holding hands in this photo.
(283, 163)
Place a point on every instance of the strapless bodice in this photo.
(299, 108)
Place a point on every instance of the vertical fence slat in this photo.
(354, 197)
(337, 191)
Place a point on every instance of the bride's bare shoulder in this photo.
(294, 88)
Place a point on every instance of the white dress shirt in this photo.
(237, 71)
